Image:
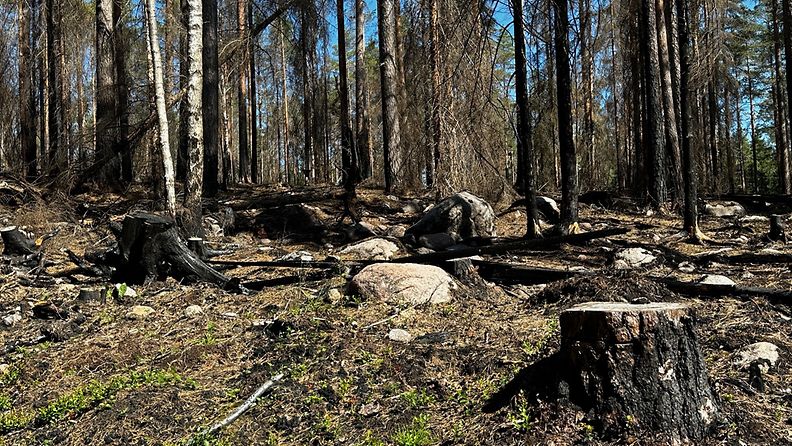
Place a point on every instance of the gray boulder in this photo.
(372, 249)
(726, 209)
(464, 214)
(765, 353)
(404, 283)
(634, 258)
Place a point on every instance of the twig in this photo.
(250, 402)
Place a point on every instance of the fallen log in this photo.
(704, 289)
(504, 248)
(150, 247)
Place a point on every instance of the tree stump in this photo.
(15, 242)
(638, 366)
(777, 233)
(150, 247)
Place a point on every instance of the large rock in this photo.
(464, 214)
(763, 353)
(726, 209)
(372, 249)
(405, 283)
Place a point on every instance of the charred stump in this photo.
(15, 242)
(777, 233)
(150, 248)
(638, 366)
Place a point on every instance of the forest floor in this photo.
(163, 378)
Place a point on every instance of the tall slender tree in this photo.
(391, 133)
(362, 121)
(210, 102)
(162, 111)
(195, 143)
(27, 97)
(524, 131)
(569, 176)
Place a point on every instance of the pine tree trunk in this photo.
(787, 19)
(587, 83)
(391, 134)
(729, 144)
(753, 129)
(210, 100)
(669, 101)
(195, 145)
(362, 122)
(107, 118)
(286, 146)
(433, 163)
(254, 149)
(780, 103)
(162, 111)
(27, 98)
(351, 174)
(653, 116)
(524, 131)
(182, 151)
(54, 105)
(242, 93)
(569, 178)
(690, 223)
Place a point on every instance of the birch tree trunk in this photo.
(162, 112)
(195, 144)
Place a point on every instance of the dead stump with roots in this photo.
(638, 367)
(149, 247)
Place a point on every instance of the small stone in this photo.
(370, 409)
(399, 335)
(396, 231)
(636, 257)
(193, 311)
(230, 315)
(334, 296)
(11, 319)
(716, 279)
(298, 256)
(140, 312)
(765, 353)
(123, 290)
(686, 267)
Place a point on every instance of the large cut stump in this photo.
(638, 366)
(150, 248)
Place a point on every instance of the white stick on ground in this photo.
(250, 402)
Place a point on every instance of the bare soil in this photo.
(346, 383)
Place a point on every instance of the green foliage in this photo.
(519, 417)
(9, 377)
(93, 394)
(417, 433)
(209, 337)
(5, 403)
(416, 399)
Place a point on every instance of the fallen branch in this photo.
(249, 403)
